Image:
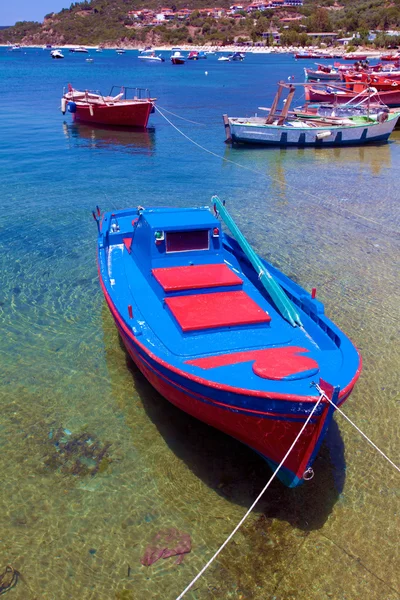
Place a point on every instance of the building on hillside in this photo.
(257, 6)
(324, 35)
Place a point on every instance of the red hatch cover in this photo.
(195, 277)
(219, 309)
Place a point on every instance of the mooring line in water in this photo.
(321, 201)
(230, 536)
(179, 117)
(357, 428)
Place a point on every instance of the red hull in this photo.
(177, 61)
(316, 95)
(270, 437)
(129, 114)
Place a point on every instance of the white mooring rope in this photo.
(322, 395)
(358, 429)
(321, 201)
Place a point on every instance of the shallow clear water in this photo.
(329, 218)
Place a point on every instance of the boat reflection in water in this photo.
(124, 139)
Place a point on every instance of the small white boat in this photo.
(99, 49)
(224, 59)
(90, 60)
(15, 48)
(56, 54)
(151, 56)
(79, 50)
(120, 51)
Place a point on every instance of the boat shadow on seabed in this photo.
(238, 473)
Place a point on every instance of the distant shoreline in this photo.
(223, 49)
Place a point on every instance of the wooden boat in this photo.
(131, 107)
(221, 333)
(322, 74)
(177, 58)
(390, 57)
(315, 110)
(378, 81)
(341, 95)
(279, 128)
(307, 55)
(355, 56)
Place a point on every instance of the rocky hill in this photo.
(134, 22)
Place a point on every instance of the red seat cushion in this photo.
(194, 277)
(219, 309)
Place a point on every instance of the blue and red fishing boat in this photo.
(221, 333)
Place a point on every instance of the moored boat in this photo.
(222, 334)
(307, 55)
(56, 54)
(280, 128)
(193, 55)
(131, 107)
(236, 57)
(341, 95)
(177, 58)
(150, 56)
(322, 74)
(79, 50)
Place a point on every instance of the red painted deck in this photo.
(218, 309)
(174, 279)
(270, 363)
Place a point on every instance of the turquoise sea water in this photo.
(77, 513)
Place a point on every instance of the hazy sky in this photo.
(29, 10)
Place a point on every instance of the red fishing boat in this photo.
(130, 107)
(359, 92)
(389, 57)
(380, 82)
(355, 56)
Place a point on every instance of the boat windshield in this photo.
(183, 241)
(130, 93)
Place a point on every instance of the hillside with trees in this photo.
(110, 22)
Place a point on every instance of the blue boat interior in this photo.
(191, 297)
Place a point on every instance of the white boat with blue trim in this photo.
(280, 128)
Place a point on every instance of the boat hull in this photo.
(303, 137)
(133, 114)
(321, 76)
(391, 98)
(270, 432)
